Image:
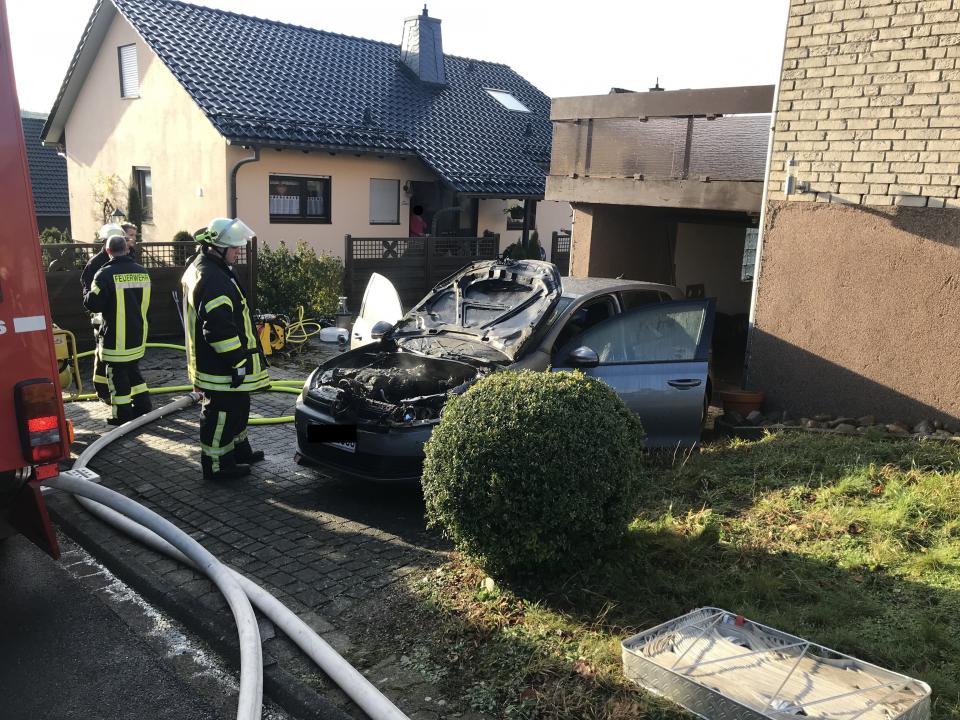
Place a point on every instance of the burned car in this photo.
(368, 412)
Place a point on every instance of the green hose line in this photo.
(168, 346)
(184, 388)
(270, 421)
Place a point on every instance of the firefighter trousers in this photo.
(128, 392)
(223, 430)
(100, 374)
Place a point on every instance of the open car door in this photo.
(380, 302)
(656, 357)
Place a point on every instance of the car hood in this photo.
(500, 303)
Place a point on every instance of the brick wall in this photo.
(869, 102)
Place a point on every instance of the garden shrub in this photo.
(532, 251)
(286, 280)
(530, 470)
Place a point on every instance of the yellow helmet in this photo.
(226, 233)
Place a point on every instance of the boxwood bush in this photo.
(530, 470)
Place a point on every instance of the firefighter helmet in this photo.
(226, 233)
(110, 230)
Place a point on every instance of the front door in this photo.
(656, 357)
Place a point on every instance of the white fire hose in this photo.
(150, 529)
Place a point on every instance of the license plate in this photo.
(342, 437)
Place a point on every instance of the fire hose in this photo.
(155, 532)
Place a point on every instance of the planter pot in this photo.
(743, 402)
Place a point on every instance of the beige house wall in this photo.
(350, 177)
(163, 129)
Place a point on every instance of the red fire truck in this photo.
(33, 431)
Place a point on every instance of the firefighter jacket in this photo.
(120, 292)
(97, 262)
(220, 334)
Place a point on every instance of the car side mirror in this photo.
(379, 329)
(583, 357)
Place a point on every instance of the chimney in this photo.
(422, 48)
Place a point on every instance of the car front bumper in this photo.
(381, 453)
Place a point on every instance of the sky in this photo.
(564, 47)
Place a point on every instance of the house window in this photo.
(129, 74)
(749, 254)
(144, 185)
(384, 202)
(299, 199)
(507, 100)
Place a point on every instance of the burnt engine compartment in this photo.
(392, 387)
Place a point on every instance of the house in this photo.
(858, 297)
(48, 176)
(666, 186)
(305, 134)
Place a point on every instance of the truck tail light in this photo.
(38, 415)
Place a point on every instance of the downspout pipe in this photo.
(233, 179)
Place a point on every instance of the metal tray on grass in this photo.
(721, 666)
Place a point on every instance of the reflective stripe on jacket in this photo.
(220, 336)
(120, 292)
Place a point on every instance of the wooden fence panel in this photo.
(413, 265)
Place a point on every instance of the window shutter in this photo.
(384, 202)
(129, 74)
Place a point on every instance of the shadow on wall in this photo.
(805, 384)
(857, 311)
(918, 215)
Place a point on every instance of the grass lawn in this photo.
(851, 542)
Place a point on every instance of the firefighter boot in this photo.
(224, 471)
(246, 454)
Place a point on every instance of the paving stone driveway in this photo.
(336, 553)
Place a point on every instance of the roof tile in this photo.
(48, 171)
(261, 81)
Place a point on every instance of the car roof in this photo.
(575, 287)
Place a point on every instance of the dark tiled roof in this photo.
(48, 171)
(269, 82)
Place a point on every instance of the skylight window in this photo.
(507, 100)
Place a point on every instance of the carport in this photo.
(666, 186)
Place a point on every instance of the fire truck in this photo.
(33, 430)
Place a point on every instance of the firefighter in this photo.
(120, 293)
(224, 359)
(129, 230)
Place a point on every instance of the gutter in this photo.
(232, 210)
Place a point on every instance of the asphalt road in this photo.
(66, 654)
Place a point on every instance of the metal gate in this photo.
(560, 252)
(413, 265)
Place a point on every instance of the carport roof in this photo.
(262, 82)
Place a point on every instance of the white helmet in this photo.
(226, 233)
(110, 230)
